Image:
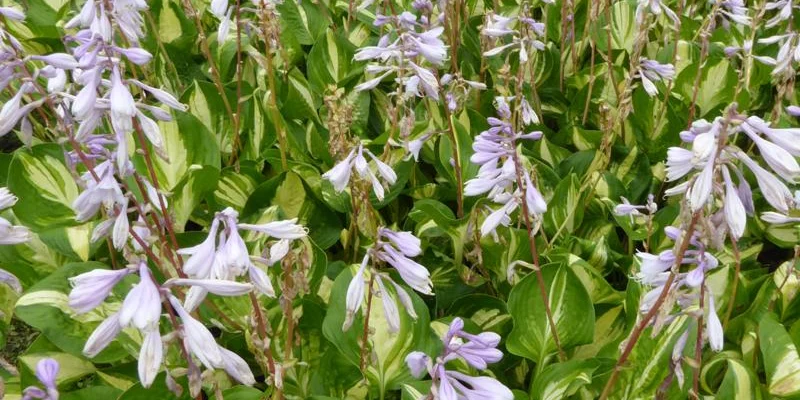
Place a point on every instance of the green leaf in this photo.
(45, 307)
(739, 383)
(44, 186)
(195, 185)
(781, 359)
(559, 381)
(571, 307)
(566, 208)
(388, 351)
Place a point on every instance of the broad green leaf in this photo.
(739, 383)
(45, 307)
(44, 186)
(387, 368)
(571, 307)
(559, 381)
(781, 359)
(565, 210)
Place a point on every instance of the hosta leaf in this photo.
(565, 213)
(571, 309)
(387, 368)
(645, 369)
(44, 186)
(196, 184)
(559, 381)
(739, 383)
(45, 307)
(781, 359)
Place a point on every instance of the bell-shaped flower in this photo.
(201, 256)
(406, 242)
(260, 281)
(700, 190)
(102, 336)
(478, 387)
(123, 107)
(355, 294)
(220, 287)
(419, 363)
(199, 341)
(287, 229)
(339, 175)
(735, 215)
(13, 234)
(58, 60)
(390, 310)
(716, 335)
(218, 7)
(150, 356)
(775, 192)
(412, 273)
(142, 305)
(233, 252)
(47, 371)
(90, 289)
(237, 367)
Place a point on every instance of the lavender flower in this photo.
(655, 270)
(46, 371)
(395, 249)
(524, 38)
(626, 208)
(656, 7)
(477, 350)
(497, 176)
(223, 257)
(776, 148)
(90, 289)
(340, 174)
(413, 43)
(652, 71)
(140, 309)
(10, 235)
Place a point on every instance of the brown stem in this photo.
(365, 334)
(262, 332)
(273, 94)
(735, 285)
(237, 115)
(161, 203)
(456, 163)
(187, 4)
(637, 331)
(698, 344)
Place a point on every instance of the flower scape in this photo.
(399, 199)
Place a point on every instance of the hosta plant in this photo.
(397, 199)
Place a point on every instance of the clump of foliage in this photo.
(399, 199)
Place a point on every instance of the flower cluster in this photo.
(687, 290)
(524, 37)
(413, 42)
(212, 268)
(477, 351)
(223, 256)
(714, 157)
(395, 249)
(652, 71)
(498, 176)
(339, 175)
